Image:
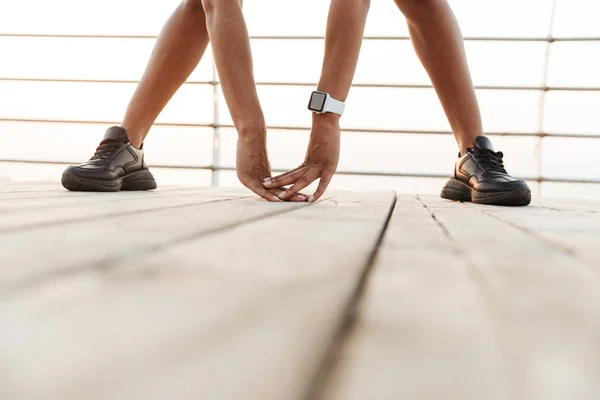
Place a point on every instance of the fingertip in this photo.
(311, 199)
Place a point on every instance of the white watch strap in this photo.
(334, 106)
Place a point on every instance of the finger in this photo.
(285, 173)
(286, 179)
(259, 190)
(300, 184)
(323, 183)
(297, 198)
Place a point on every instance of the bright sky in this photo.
(572, 64)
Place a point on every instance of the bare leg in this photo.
(178, 51)
(437, 39)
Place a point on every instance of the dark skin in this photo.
(178, 50)
(437, 39)
(343, 39)
(435, 35)
(252, 167)
(322, 157)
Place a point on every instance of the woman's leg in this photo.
(437, 39)
(178, 50)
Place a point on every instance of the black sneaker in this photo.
(116, 165)
(479, 176)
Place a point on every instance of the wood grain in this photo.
(244, 313)
(33, 254)
(422, 330)
(55, 211)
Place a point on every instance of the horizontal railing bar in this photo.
(340, 172)
(312, 84)
(52, 162)
(78, 80)
(466, 38)
(88, 122)
(431, 132)
(431, 176)
(304, 128)
(74, 36)
(307, 37)
(429, 86)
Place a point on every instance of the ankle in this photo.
(467, 143)
(136, 142)
(465, 134)
(135, 138)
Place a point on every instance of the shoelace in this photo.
(488, 159)
(106, 149)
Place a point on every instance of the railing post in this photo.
(216, 163)
(538, 146)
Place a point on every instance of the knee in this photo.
(193, 5)
(414, 9)
(211, 6)
(416, 3)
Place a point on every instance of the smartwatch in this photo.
(322, 102)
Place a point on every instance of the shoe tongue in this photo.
(483, 143)
(116, 133)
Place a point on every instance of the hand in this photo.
(252, 166)
(321, 160)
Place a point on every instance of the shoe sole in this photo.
(458, 191)
(140, 180)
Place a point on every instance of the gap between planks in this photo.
(39, 218)
(419, 334)
(319, 381)
(272, 319)
(116, 239)
(573, 240)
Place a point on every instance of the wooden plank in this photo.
(33, 254)
(55, 190)
(26, 186)
(575, 227)
(546, 302)
(567, 205)
(53, 186)
(42, 195)
(30, 187)
(84, 209)
(51, 201)
(423, 330)
(13, 186)
(245, 313)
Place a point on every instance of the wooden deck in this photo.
(186, 293)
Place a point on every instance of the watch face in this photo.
(317, 101)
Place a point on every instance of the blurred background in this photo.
(68, 69)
